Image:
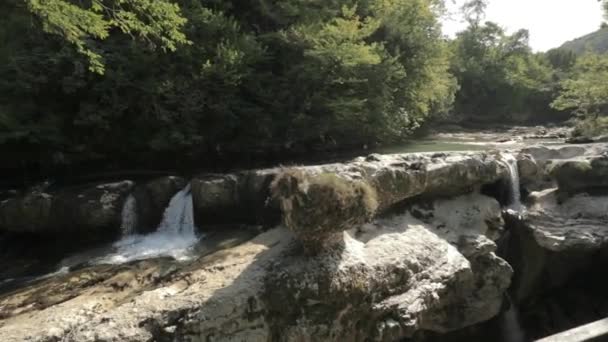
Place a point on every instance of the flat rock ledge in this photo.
(389, 279)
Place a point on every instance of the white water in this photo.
(175, 236)
(128, 223)
(511, 329)
(179, 216)
(515, 200)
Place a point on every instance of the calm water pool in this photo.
(435, 146)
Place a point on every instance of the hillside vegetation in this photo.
(596, 42)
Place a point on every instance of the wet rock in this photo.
(153, 197)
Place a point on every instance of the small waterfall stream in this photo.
(515, 194)
(179, 215)
(510, 325)
(175, 237)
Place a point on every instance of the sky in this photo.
(550, 22)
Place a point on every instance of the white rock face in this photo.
(387, 280)
(579, 223)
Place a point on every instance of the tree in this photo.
(474, 11)
(259, 78)
(498, 75)
(158, 22)
(585, 93)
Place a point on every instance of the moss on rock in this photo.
(318, 206)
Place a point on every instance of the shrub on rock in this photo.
(318, 206)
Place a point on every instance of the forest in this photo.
(137, 83)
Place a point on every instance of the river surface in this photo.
(499, 139)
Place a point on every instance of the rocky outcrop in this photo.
(388, 280)
(557, 238)
(542, 154)
(84, 210)
(581, 174)
(319, 202)
(319, 207)
(152, 199)
(541, 166)
(242, 197)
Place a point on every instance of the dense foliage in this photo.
(135, 82)
(245, 76)
(499, 76)
(585, 92)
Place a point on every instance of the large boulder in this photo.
(244, 197)
(555, 239)
(389, 279)
(152, 198)
(559, 249)
(312, 201)
(581, 174)
(28, 213)
(318, 207)
(90, 210)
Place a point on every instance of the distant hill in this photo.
(596, 42)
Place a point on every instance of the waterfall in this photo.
(179, 215)
(515, 194)
(128, 222)
(510, 326)
(175, 237)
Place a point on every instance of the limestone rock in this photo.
(581, 174)
(578, 223)
(533, 175)
(555, 239)
(317, 207)
(393, 178)
(542, 154)
(87, 210)
(468, 215)
(242, 197)
(388, 280)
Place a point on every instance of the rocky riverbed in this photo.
(420, 246)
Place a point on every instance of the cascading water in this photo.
(515, 194)
(128, 223)
(175, 236)
(179, 216)
(510, 325)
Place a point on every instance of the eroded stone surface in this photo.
(577, 223)
(581, 174)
